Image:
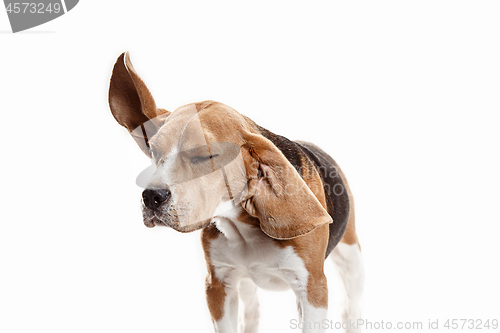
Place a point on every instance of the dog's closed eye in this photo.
(200, 159)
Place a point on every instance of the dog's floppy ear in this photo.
(279, 197)
(132, 104)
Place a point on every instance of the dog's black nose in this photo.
(153, 198)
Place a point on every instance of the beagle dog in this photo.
(270, 210)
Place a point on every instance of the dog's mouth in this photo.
(155, 217)
(174, 219)
(153, 222)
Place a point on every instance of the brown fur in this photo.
(311, 249)
(214, 288)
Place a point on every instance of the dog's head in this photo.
(206, 154)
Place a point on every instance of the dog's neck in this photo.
(236, 224)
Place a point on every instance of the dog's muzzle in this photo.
(183, 188)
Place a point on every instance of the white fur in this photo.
(229, 321)
(249, 314)
(312, 318)
(246, 252)
(349, 263)
(164, 171)
(226, 210)
(244, 256)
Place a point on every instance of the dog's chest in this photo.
(244, 251)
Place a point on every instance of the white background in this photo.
(404, 95)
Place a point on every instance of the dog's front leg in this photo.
(313, 318)
(312, 302)
(222, 299)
